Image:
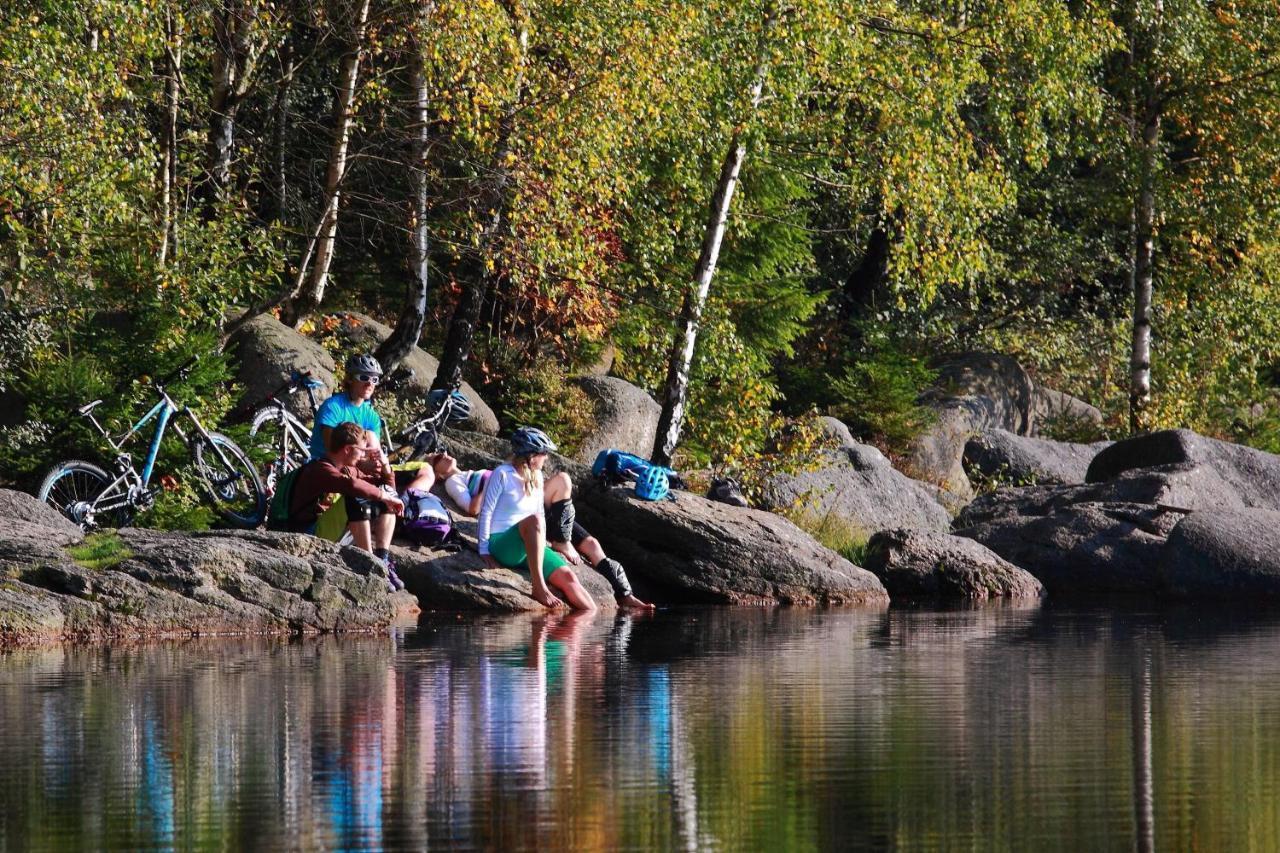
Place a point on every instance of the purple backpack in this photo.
(426, 521)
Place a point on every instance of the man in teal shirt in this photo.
(350, 404)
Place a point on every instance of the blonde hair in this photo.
(532, 479)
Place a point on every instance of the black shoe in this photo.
(727, 491)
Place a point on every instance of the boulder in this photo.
(916, 564)
(975, 391)
(1055, 412)
(268, 352)
(1006, 457)
(1224, 553)
(695, 551)
(856, 485)
(365, 334)
(1231, 473)
(626, 417)
(164, 584)
(461, 581)
(1083, 548)
(23, 516)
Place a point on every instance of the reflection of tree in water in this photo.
(730, 728)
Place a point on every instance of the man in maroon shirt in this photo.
(371, 510)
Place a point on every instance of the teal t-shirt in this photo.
(339, 409)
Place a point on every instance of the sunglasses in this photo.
(371, 378)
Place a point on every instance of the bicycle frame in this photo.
(164, 410)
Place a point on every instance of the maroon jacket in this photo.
(321, 477)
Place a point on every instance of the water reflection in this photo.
(988, 728)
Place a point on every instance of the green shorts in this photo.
(508, 549)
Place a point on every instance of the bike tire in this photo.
(236, 493)
(265, 435)
(75, 488)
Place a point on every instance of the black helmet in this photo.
(527, 441)
(459, 408)
(363, 363)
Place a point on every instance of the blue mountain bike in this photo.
(91, 498)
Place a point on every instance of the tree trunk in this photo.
(1144, 254)
(676, 390)
(466, 316)
(235, 57)
(280, 128)
(169, 139)
(313, 272)
(409, 327)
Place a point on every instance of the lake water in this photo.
(989, 729)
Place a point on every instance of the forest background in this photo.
(522, 185)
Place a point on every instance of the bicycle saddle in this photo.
(89, 407)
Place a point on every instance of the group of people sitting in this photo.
(526, 520)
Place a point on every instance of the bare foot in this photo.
(630, 602)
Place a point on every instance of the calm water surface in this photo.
(994, 728)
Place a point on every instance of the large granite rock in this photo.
(1082, 548)
(975, 391)
(857, 486)
(1224, 553)
(461, 581)
(158, 584)
(1059, 412)
(268, 352)
(365, 334)
(1230, 474)
(626, 417)
(1016, 459)
(919, 564)
(692, 550)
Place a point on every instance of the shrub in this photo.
(879, 393)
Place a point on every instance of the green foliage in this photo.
(878, 396)
(100, 551)
(541, 395)
(179, 505)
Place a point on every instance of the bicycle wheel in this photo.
(233, 486)
(272, 449)
(79, 490)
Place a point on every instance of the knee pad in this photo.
(560, 518)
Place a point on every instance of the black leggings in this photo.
(563, 526)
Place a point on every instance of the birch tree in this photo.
(313, 270)
(404, 337)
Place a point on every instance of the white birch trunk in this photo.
(676, 390)
(409, 327)
(1144, 253)
(313, 273)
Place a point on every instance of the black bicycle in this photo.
(422, 437)
(90, 497)
(277, 435)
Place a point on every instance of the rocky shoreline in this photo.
(1170, 515)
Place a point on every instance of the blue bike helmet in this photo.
(459, 409)
(527, 441)
(653, 484)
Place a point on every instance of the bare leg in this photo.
(558, 487)
(423, 480)
(383, 528)
(572, 589)
(591, 549)
(534, 535)
(360, 535)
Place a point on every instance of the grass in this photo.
(100, 551)
(835, 533)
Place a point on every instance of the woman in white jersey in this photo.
(511, 528)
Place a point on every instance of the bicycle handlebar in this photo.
(178, 372)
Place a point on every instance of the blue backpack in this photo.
(652, 481)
